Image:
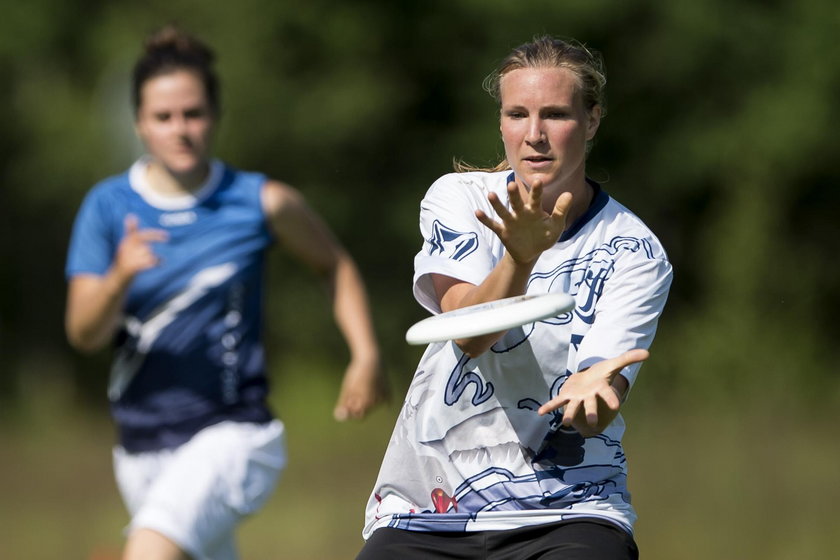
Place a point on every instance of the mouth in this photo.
(537, 161)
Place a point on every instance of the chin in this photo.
(186, 167)
(546, 178)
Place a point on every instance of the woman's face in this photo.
(545, 127)
(175, 122)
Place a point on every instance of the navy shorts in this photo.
(589, 539)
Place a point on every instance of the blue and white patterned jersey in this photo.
(189, 353)
(469, 451)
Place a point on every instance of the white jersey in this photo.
(469, 451)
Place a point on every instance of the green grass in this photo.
(708, 482)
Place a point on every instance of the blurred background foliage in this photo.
(720, 134)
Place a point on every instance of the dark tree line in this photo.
(719, 133)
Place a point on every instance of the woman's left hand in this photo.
(590, 397)
(364, 386)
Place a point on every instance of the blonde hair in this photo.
(548, 52)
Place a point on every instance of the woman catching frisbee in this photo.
(508, 445)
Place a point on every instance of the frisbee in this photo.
(490, 317)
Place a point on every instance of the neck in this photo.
(582, 195)
(164, 182)
(582, 198)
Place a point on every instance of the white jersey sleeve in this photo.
(455, 243)
(629, 307)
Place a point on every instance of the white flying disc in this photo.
(486, 318)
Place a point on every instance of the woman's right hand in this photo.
(526, 230)
(94, 303)
(135, 252)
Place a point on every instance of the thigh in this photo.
(200, 492)
(398, 544)
(573, 540)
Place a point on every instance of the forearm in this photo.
(362, 386)
(94, 309)
(352, 311)
(507, 279)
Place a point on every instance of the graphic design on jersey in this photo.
(230, 341)
(586, 275)
(499, 489)
(443, 501)
(459, 381)
(583, 278)
(143, 334)
(450, 243)
(545, 469)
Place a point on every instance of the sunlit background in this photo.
(720, 133)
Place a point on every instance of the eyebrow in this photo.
(564, 107)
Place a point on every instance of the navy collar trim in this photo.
(599, 200)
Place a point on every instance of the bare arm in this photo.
(307, 238)
(526, 230)
(95, 303)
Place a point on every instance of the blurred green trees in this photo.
(719, 134)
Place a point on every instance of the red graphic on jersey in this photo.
(442, 501)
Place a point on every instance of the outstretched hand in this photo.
(526, 229)
(590, 398)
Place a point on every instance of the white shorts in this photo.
(196, 494)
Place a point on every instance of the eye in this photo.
(515, 114)
(162, 117)
(557, 115)
(195, 113)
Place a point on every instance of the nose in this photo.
(535, 133)
(179, 124)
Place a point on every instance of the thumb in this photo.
(562, 204)
(130, 224)
(629, 357)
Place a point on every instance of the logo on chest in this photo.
(173, 219)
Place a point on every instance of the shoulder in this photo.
(238, 180)
(110, 195)
(278, 197)
(241, 176)
(111, 186)
(472, 180)
(475, 185)
(620, 223)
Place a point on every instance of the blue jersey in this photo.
(189, 353)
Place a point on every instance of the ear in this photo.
(137, 128)
(593, 122)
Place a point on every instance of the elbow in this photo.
(471, 347)
(478, 345)
(83, 344)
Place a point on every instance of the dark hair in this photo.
(170, 49)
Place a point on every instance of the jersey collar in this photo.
(137, 180)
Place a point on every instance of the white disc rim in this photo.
(486, 318)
